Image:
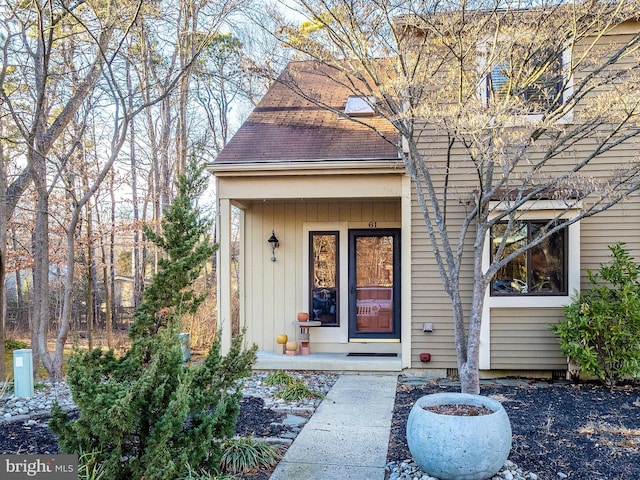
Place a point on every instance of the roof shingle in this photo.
(287, 127)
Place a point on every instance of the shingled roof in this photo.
(285, 127)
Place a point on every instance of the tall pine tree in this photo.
(146, 414)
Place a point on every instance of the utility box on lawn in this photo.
(23, 373)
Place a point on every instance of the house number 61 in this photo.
(372, 224)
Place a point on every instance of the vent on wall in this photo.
(452, 373)
(559, 375)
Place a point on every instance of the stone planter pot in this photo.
(452, 447)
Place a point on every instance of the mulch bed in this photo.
(584, 431)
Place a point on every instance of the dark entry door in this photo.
(374, 285)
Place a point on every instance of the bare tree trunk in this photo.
(3, 256)
(111, 315)
(90, 299)
(138, 276)
(181, 130)
(107, 298)
(164, 168)
(34, 333)
(107, 263)
(40, 317)
(22, 320)
(68, 291)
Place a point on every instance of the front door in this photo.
(374, 285)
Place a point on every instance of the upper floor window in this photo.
(534, 81)
(541, 270)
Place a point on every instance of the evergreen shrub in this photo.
(146, 414)
(601, 327)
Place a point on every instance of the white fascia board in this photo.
(308, 167)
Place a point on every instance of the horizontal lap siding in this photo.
(430, 303)
(521, 339)
(620, 224)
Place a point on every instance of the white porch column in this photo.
(406, 272)
(224, 273)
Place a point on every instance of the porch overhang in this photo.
(309, 180)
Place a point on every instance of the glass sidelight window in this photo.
(324, 259)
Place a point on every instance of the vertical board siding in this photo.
(274, 292)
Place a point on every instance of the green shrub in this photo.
(246, 455)
(89, 466)
(11, 344)
(278, 378)
(601, 328)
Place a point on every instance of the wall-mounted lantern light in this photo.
(273, 241)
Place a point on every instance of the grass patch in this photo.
(203, 474)
(247, 455)
(298, 390)
(614, 436)
(6, 387)
(293, 389)
(595, 428)
(89, 466)
(278, 378)
(10, 345)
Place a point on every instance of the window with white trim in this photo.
(541, 270)
(529, 80)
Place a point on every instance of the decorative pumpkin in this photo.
(303, 316)
(292, 346)
(282, 339)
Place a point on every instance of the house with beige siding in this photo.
(326, 221)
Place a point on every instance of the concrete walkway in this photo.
(348, 435)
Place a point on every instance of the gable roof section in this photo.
(285, 127)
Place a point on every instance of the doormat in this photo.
(365, 354)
